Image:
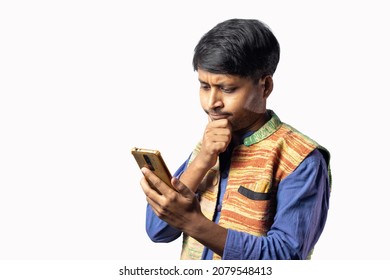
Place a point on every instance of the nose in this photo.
(215, 99)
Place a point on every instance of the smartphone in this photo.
(153, 160)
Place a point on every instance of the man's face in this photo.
(237, 99)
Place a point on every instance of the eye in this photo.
(204, 86)
(228, 89)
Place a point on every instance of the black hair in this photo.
(244, 47)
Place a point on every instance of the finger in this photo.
(214, 133)
(149, 191)
(220, 131)
(210, 131)
(218, 147)
(156, 182)
(155, 206)
(220, 138)
(219, 123)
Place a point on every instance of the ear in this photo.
(268, 83)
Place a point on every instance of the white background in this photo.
(81, 82)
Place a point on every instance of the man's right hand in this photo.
(216, 138)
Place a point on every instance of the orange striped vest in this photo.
(257, 166)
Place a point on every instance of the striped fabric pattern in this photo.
(257, 167)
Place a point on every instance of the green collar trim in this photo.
(266, 130)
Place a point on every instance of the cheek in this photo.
(253, 104)
(202, 100)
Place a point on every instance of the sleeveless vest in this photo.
(257, 167)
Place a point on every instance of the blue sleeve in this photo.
(157, 229)
(302, 207)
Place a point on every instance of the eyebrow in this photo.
(222, 84)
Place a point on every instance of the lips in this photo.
(215, 117)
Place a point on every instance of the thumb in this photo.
(180, 187)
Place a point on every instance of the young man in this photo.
(254, 187)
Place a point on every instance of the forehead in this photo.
(212, 78)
